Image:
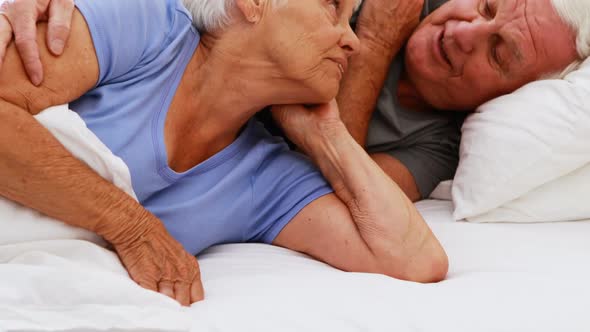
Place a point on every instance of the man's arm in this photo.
(38, 172)
(383, 27)
(369, 225)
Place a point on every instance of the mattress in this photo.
(503, 277)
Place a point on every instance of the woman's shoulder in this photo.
(134, 33)
(136, 15)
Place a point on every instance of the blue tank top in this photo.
(246, 193)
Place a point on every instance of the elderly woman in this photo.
(175, 104)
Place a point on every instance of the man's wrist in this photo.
(374, 42)
(125, 222)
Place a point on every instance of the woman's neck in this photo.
(219, 92)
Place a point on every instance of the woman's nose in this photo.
(350, 42)
(468, 34)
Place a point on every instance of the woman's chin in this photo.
(327, 92)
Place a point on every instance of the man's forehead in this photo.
(548, 30)
(549, 44)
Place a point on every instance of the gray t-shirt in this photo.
(427, 143)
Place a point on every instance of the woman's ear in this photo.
(251, 9)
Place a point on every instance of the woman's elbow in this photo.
(426, 266)
(432, 268)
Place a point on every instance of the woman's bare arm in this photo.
(38, 172)
(369, 225)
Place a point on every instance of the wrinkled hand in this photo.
(388, 23)
(159, 263)
(21, 16)
(302, 123)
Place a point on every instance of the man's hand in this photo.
(383, 27)
(21, 16)
(388, 23)
(158, 262)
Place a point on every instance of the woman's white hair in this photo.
(210, 15)
(576, 14)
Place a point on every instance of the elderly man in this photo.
(402, 104)
(404, 95)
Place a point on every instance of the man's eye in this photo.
(489, 11)
(495, 57)
(495, 42)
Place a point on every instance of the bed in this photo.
(503, 277)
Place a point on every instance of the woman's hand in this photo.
(21, 16)
(301, 123)
(159, 263)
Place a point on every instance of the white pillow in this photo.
(563, 199)
(516, 150)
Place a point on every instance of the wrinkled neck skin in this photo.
(226, 82)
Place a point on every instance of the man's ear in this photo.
(251, 9)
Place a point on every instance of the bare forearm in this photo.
(390, 225)
(38, 172)
(382, 29)
(384, 216)
(361, 87)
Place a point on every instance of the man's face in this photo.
(470, 51)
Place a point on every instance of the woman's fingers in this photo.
(5, 36)
(60, 22)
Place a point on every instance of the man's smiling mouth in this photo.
(441, 44)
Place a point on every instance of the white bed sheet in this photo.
(503, 277)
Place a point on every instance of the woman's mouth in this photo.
(342, 64)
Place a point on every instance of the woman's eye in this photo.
(334, 3)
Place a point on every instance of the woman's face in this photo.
(309, 42)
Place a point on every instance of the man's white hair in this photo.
(576, 14)
(210, 15)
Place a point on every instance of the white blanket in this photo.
(503, 277)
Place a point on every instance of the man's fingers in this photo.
(5, 37)
(197, 291)
(25, 31)
(182, 292)
(166, 287)
(60, 22)
(148, 284)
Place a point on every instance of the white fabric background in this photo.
(503, 277)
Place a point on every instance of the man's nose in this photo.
(468, 34)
